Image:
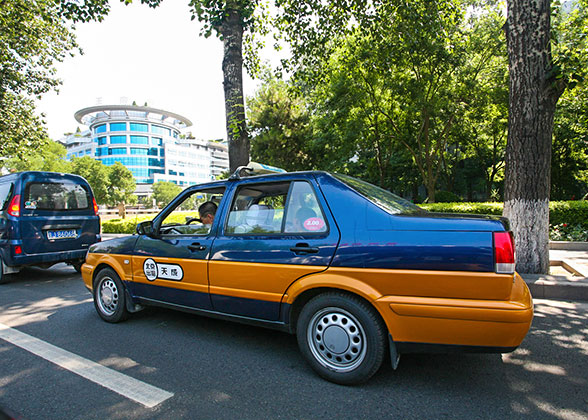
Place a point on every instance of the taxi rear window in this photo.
(387, 201)
(56, 196)
(5, 190)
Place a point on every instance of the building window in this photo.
(153, 151)
(100, 128)
(101, 151)
(139, 127)
(118, 126)
(161, 152)
(157, 129)
(156, 162)
(101, 141)
(137, 151)
(139, 140)
(156, 141)
(175, 134)
(117, 151)
(118, 139)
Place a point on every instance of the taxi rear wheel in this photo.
(109, 296)
(342, 338)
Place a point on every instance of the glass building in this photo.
(148, 142)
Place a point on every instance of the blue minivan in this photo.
(45, 218)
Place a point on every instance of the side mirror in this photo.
(146, 228)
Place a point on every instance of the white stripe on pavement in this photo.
(124, 385)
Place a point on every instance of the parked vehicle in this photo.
(45, 218)
(353, 270)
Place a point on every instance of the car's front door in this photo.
(274, 234)
(171, 265)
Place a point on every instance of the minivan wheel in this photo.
(342, 338)
(109, 296)
(4, 278)
(77, 266)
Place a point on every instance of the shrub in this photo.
(568, 219)
(129, 225)
(446, 197)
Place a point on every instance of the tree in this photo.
(34, 36)
(537, 80)
(96, 174)
(280, 127)
(49, 157)
(231, 20)
(164, 192)
(121, 189)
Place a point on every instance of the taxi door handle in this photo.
(196, 247)
(304, 248)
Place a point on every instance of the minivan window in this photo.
(5, 190)
(56, 196)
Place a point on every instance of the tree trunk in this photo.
(532, 99)
(232, 35)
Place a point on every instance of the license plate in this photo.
(61, 234)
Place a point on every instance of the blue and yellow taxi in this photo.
(353, 270)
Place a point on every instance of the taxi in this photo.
(353, 270)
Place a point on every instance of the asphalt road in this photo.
(220, 370)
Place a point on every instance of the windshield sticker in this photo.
(154, 270)
(313, 224)
(31, 205)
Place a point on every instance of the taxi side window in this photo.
(276, 208)
(258, 209)
(194, 215)
(304, 214)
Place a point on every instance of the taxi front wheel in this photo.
(342, 338)
(109, 296)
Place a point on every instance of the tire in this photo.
(342, 338)
(109, 296)
(4, 278)
(77, 266)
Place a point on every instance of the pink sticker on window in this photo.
(314, 224)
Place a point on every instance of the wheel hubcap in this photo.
(108, 296)
(336, 339)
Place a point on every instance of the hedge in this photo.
(560, 212)
(129, 225)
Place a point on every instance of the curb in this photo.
(557, 287)
(568, 245)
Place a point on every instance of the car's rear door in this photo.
(57, 214)
(273, 234)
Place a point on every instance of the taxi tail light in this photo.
(95, 206)
(17, 250)
(14, 207)
(504, 253)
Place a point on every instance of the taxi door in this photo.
(170, 267)
(274, 233)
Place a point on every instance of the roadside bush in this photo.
(568, 219)
(446, 197)
(129, 225)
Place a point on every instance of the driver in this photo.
(207, 211)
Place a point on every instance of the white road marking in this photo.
(124, 385)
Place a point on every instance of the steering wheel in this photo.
(192, 219)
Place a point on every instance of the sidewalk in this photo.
(569, 272)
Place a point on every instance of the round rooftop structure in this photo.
(95, 114)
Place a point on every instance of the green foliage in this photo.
(95, 173)
(129, 225)
(121, 185)
(446, 197)
(280, 127)
(568, 212)
(50, 156)
(164, 192)
(568, 232)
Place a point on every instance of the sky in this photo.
(144, 55)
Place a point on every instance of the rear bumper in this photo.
(47, 257)
(418, 323)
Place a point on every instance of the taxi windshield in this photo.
(384, 199)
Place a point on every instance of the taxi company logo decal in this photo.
(154, 270)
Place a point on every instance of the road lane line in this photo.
(124, 385)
